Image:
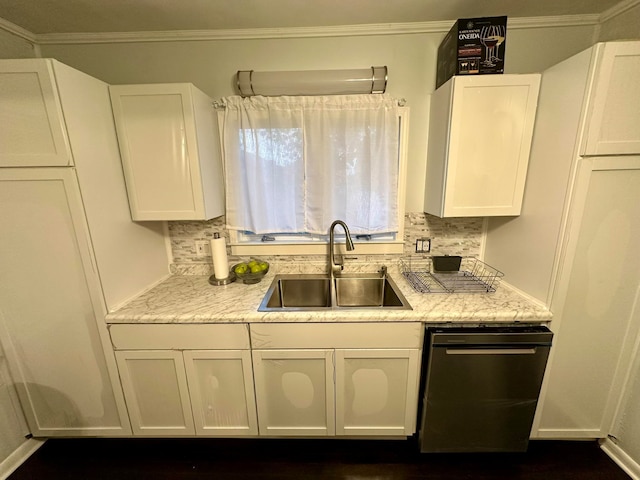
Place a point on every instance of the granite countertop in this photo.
(191, 299)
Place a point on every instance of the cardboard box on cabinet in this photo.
(472, 46)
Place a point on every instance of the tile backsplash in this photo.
(451, 236)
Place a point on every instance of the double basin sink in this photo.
(350, 291)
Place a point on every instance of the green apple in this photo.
(241, 269)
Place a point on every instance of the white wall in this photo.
(524, 247)
(625, 26)
(12, 46)
(411, 58)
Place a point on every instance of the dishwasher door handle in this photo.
(491, 351)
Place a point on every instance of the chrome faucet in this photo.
(335, 267)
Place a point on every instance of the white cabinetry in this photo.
(51, 308)
(13, 427)
(337, 379)
(170, 148)
(32, 134)
(187, 379)
(375, 391)
(614, 117)
(596, 302)
(222, 394)
(480, 131)
(295, 392)
(579, 228)
(68, 249)
(155, 386)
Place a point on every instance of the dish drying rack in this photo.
(474, 276)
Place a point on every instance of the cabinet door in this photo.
(596, 302)
(614, 123)
(50, 301)
(376, 392)
(13, 427)
(222, 395)
(479, 165)
(155, 386)
(32, 132)
(294, 392)
(163, 166)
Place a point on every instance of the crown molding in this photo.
(553, 21)
(7, 26)
(301, 32)
(618, 9)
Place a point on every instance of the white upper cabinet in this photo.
(169, 142)
(33, 132)
(480, 132)
(612, 128)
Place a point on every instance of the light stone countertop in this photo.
(191, 299)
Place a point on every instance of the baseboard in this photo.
(19, 456)
(624, 461)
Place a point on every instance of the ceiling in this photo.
(43, 17)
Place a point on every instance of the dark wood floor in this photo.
(196, 459)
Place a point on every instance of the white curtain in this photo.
(295, 164)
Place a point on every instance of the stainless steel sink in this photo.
(299, 292)
(313, 292)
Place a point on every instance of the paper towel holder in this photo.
(222, 281)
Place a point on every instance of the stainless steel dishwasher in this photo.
(481, 387)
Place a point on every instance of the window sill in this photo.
(362, 248)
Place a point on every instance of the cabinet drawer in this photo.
(179, 337)
(337, 335)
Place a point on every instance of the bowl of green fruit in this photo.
(251, 271)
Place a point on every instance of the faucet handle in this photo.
(383, 271)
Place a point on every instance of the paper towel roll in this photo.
(220, 261)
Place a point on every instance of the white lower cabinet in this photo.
(337, 391)
(294, 392)
(376, 391)
(310, 380)
(156, 391)
(222, 396)
(186, 380)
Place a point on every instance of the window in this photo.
(295, 164)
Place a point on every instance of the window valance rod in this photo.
(220, 104)
(312, 82)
